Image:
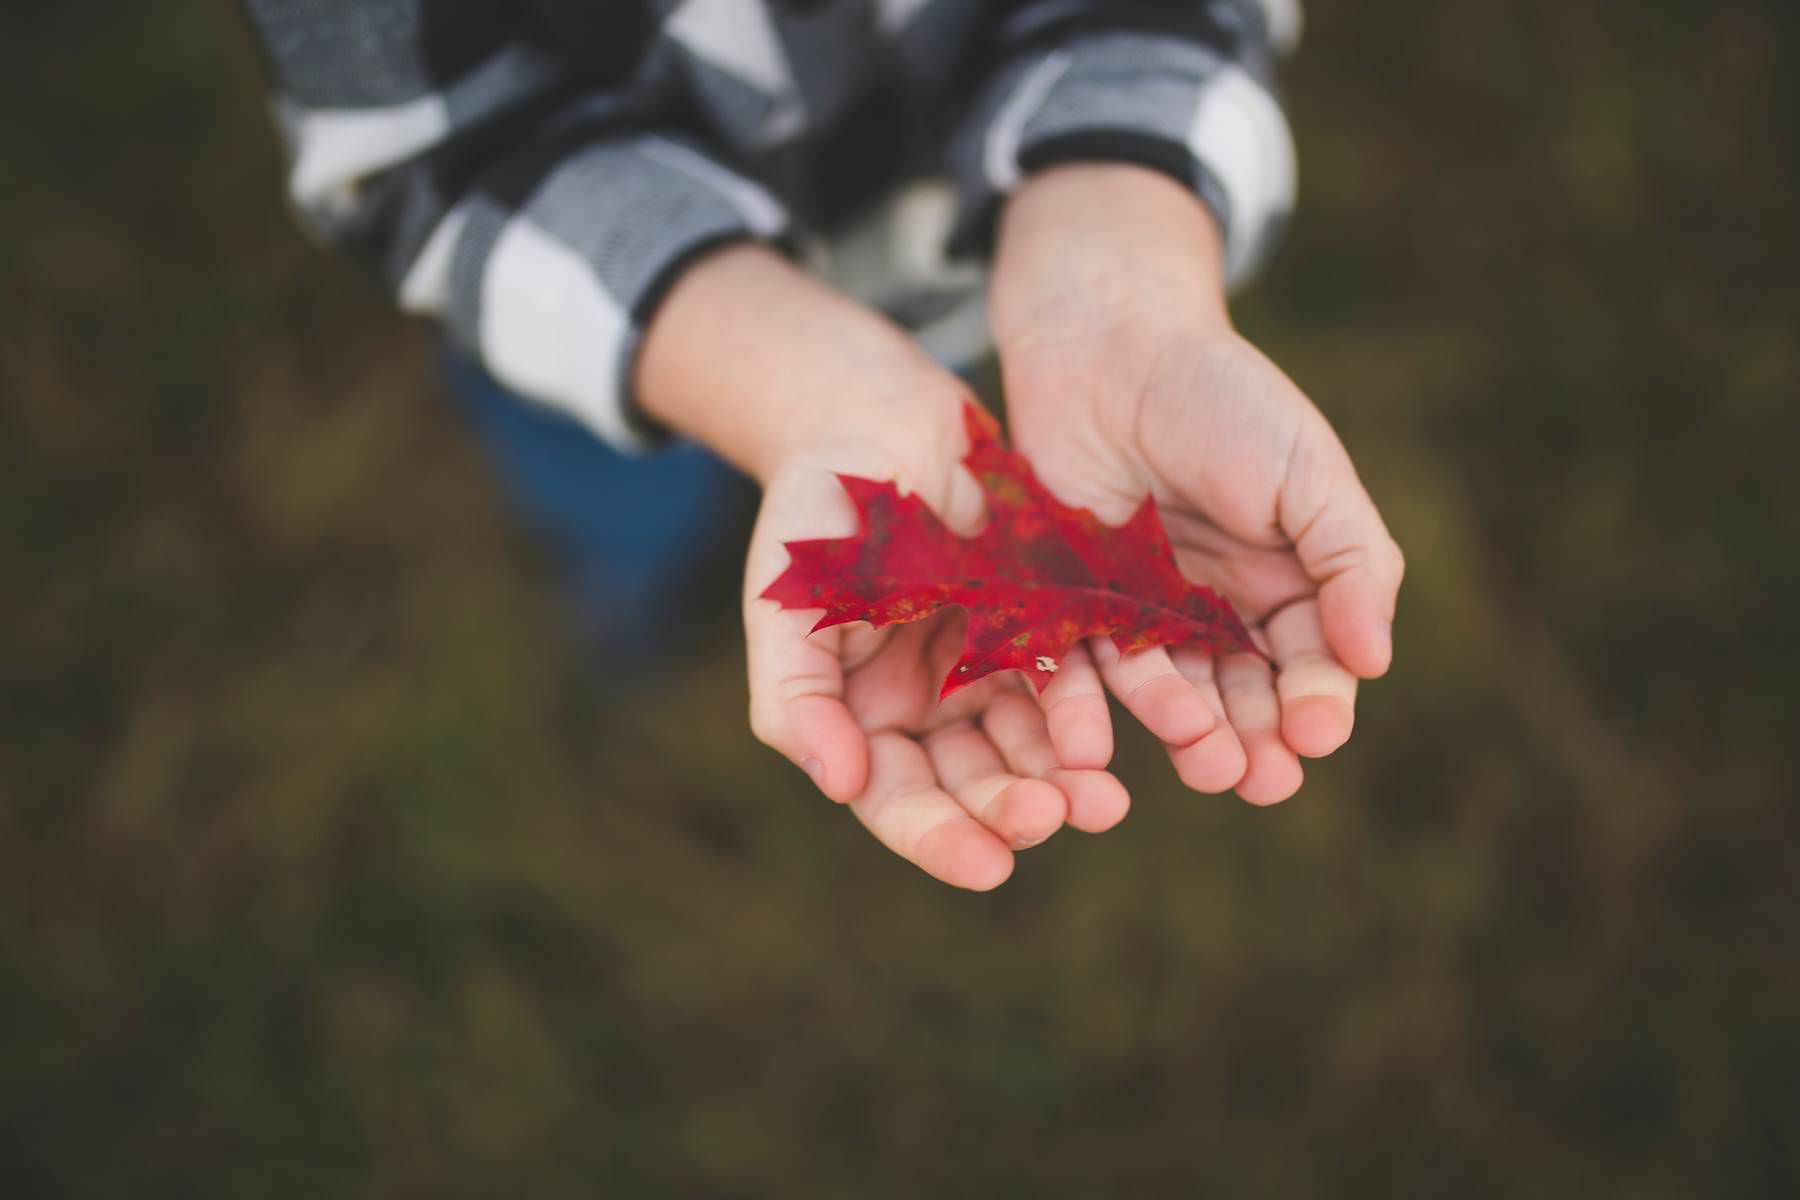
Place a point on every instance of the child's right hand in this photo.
(954, 787)
(796, 384)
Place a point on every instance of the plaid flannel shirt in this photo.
(538, 173)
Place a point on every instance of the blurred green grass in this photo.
(329, 864)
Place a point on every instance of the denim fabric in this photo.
(631, 530)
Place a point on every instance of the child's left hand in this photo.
(1123, 376)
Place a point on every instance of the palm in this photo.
(892, 676)
(1220, 471)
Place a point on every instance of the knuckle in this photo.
(1162, 685)
(1249, 681)
(1343, 558)
(798, 687)
(1071, 708)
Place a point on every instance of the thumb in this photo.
(797, 677)
(1345, 548)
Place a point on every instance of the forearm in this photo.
(753, 358)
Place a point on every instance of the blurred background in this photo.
(332, 864)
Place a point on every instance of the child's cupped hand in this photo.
(956, 786)
(1123, 377)
(797, 384)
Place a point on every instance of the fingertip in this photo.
(1359, 635)
(1314, 726)
(1273, 773)
(1029, 811)
(1172, 710)
(1214, 764)
(1097, 800)
(963, 854)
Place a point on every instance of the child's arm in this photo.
(598, 264)
(513, 186)
(794, 383)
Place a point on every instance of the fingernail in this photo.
(1387, 640)
(815, 769)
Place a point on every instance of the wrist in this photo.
(1107, 248)
(1102, 270)
(764, 365)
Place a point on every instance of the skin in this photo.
(1124, 377)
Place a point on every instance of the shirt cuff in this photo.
(549, 271)
(1168, 103)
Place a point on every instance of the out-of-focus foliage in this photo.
(329, 866)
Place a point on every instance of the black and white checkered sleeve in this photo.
(533, 212)
(1183, 88)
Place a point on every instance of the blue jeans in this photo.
(632, 531)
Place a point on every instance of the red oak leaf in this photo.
(1037, 579)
